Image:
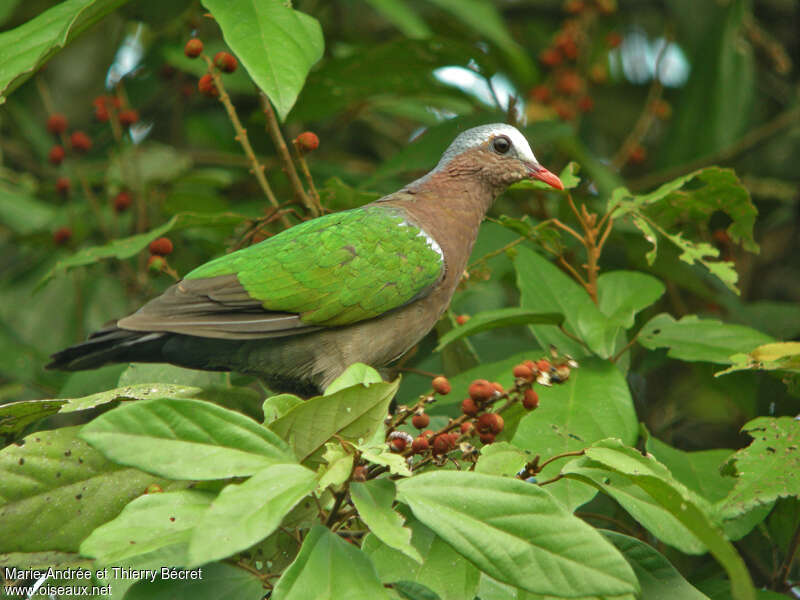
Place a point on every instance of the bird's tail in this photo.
(111, 345)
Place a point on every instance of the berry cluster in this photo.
(159, 250)
(223, 61)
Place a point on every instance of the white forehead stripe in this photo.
(477, 136)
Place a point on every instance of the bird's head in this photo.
(498, 153)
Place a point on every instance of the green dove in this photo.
(362, 285)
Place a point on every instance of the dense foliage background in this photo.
(654, 294)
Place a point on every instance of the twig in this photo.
(786, 567)
(274, 131)
(337, 503)
(625, 348)
(580, 452)
(241, 137)
(494, 253)
(312, 189)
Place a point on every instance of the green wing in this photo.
(337, 269)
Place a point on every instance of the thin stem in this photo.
(274, 131)
(563, 262)
(312, 189)
(625, 348)
(568, 229)
(241, 137)
(494, 253)
(562, 455)
(786, 567)
(337, 503)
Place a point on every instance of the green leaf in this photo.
(595, 403)
(443, 570)
(56, 490)
(200, 439)
(658, 579)
(411, 590)
(568, 176)
(16, 416)
(26, 48)
(332, 568)
(502, 458)
(150, 373)
(127, 247)
(622, 294)
(278, 405)
(780, 356)
(39, 560)
(338, 468)
(402, 16)
(151, 531)
(355, 374)
(244, 514)
(492, 319)
(146, 164)
(517, 533)
(544, 288)
(769, 468)
(22, 213)
(379, 454)
(141, 391)
(687, 508)
(352, 413)
(276, 44)
(373, 501)
(219, 581)
(695, 339)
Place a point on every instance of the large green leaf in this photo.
(276, 44)
(350, 413)
(244, 514)
(24, 49)
(769, 468)
(219, 580)
(373, 500)
(517, 533)
(544, 288)
(684, 506)
(594, 404)
(332, 568)
(151, 531)
(622, 294)
(56, 489)
(502, 317)
(185, 439)
(16, 416)
(780, 356)
(695, 339)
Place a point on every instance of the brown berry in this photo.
(467, 428)
(128, 117)
(397, 444)
(206, 86)
(480, 390)
(613, 39)
(469, 407)
(541, 93)
(486, 438)
(61, 235)
(441, 385)
(122, 201)
(523, 372)
(420, 444)
(569, 83)
(161, 247)
(637, 154)
(80, 142)
(586, 104)
(452, 438)
(101, 114)
(420, 421)
(154, 488)
(498, 388)
(441, 444)
(550, 57)
(225, 62)
(307, 141)
(574, 7)
(56, 155)
(461, 319)
(489, 422)
(530, 400)
(62, 185)
(360, 473)
(156, 263)
(531, 365)
(543, 365)
(427, 434)
(56, 123)
(193, 48)
(564, 110)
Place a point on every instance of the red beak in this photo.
(542, 174)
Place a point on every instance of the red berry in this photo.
(543, 365)
(441, 385)
(397, 444)
(523, 372)
(225, 62)
(489, 422)
(461, 319)
(637, 154)
(550, 57)
(441, 444)
(570, 49)
(193, 48)
(360, 473)
(80, 142)
(541, 93)
(428, 434)
(452, 438)
(62, 185)
(101, 114)
(307, 141)
(207, 87)
(128, 117)
(530, 400)
(480, 389)
(569, 83)
(486, 438)
(56, 155)
(122, 201)
(420, 421)
(586, 104)
(56, 123)
(61, 235)
(467, 428)
(564, 110)
(613, 39)
(574, 7)
(531, 365)
(156, 263)
(497, 387)
(161, 247)
(420, 444)
(469, 407)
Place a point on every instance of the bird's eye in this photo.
(501, 144)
